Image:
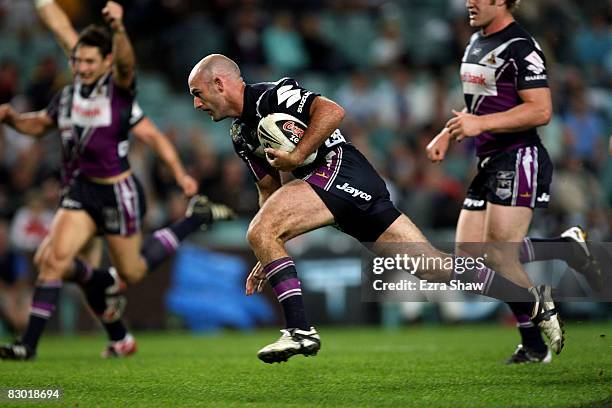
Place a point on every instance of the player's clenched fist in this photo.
(436, 149)
(113, 15)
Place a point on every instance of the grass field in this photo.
(452, 366)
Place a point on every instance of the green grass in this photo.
(456, 366)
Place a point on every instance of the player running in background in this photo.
(104, 197)
(319, 197)
(109, 306)
(504, 78)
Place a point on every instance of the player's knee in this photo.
(52, 266)
(258, 233)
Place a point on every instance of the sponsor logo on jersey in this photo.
(536, 63)
(471, 203)
(303, 101)
(491, 59)
(478, 79)
(286, 93)
(474, 79)
(353, 191)
(70, 203)
(544, 198)
(536, 78)
(91, 112)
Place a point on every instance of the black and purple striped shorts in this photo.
(115, 208)
(519, 178)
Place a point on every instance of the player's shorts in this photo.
(517, 178)
(354, 193)
(115, 208)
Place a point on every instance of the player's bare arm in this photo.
(124, 59)
(325, 117)
(147, 132)
(536, 110)
(57, 21)
(32, 123)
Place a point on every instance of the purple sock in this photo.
(44, 302)
(164, 242)
(283, 278)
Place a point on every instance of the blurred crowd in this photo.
(393, 66)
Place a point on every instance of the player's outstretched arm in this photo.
(57, 21)
(124, 59)
(147, 132)
(536, 110)
(31, 123)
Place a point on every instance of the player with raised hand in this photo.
(109, 305)
(93, 116)
(340, 187)
(504, 78)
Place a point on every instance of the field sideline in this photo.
(450, 366)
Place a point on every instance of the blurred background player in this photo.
(110, 305)
(506, 92)
(93, 117)
(319, 197)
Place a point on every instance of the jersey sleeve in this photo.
(531, 66)
(137, 114)
(287, 97)
(258, 166)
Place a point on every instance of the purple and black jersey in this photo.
(94, 123)
(494, 69)
(262, 99)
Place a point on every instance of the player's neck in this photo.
(498, 24)
(239, 101)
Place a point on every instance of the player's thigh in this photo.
(125, 255)
(92, 252)
(403, 237)
(70, 231)
(506, 223)
(470, 232)
(292, 210)
(505, 228)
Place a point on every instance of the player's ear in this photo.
(108, 60)
(218, 84)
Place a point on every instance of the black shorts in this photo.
(354, 193)
(115, 208)
(517, 178)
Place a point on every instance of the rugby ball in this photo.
(283, 132)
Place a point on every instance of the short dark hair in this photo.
(512, 4)
(96, 36)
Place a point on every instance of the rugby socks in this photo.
(44, 303)
(530, 333)
(94, 283)
(543, 249)
(494, 285)
(283, 278)
(164, 242)
(89, 278)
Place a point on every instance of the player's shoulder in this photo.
(521, 39)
